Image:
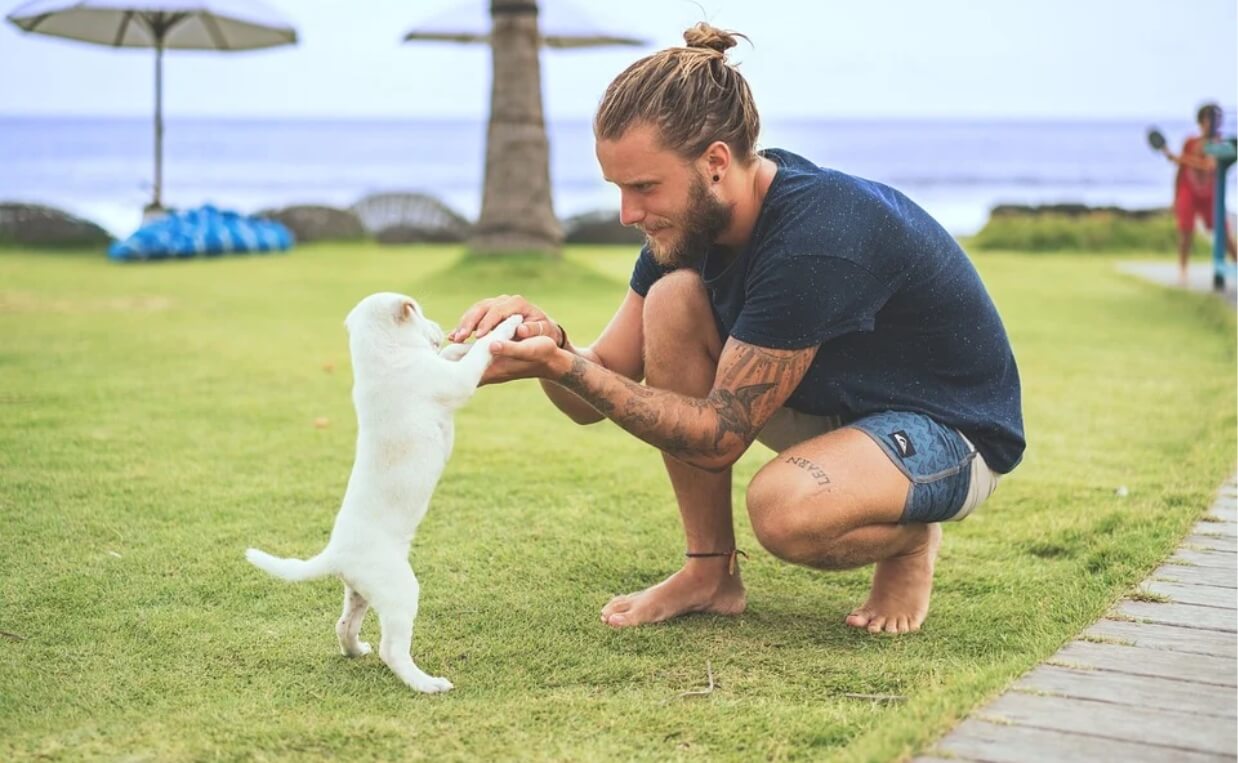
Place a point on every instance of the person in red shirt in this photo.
(1194, 185)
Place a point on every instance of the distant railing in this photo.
(420, 215)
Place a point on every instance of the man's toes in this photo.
(616, 603)
(615, 613)
(616, 607)
(897, 625)
(876, 624)
(858, 618)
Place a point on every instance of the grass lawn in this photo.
(157, 419)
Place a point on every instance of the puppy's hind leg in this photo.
(349, 626)
(396, 616)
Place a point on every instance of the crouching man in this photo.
(825, 315)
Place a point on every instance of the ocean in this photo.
(101, 168)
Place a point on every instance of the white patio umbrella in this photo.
(224, 25)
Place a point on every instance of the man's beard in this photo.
(700, 225)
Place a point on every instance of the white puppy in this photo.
(405, 392)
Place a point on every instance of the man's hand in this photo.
(528, 358)
(481, 318)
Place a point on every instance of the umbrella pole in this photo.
(157, 203)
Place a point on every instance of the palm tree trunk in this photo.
(517, 214)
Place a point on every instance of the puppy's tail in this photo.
(292, 570)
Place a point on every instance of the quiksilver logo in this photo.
(903, 443)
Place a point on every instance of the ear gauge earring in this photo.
(717, 178)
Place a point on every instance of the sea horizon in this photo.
(100, 167)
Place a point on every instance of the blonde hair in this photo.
(692, 95)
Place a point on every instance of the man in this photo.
(825, 315)
(1195, 185)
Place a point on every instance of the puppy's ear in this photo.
(407, 310)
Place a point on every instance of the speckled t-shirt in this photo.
(901, 316)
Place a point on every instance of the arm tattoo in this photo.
(696, 430)
(574, 380)
(735, 409)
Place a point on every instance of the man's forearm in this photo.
(571, 404)
(709, 433)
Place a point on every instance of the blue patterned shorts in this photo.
(937, 459)
(949, 478)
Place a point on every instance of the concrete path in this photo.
(1152, 681)
(1199, 277)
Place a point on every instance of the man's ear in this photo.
(717, 159)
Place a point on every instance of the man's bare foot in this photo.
(703, 585)
(899, 601)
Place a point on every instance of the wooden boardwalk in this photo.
(1153, 681)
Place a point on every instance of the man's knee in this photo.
(678, 296)
(777, 512)
(797, 523)
(681, 341)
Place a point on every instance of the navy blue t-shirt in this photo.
(901, 317)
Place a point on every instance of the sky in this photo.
(951, 59)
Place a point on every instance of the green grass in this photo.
(157, 419)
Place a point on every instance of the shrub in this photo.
(35, 225)
(1080, 228)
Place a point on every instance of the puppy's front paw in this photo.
(432, 685)
(454, 352)
(507, 329)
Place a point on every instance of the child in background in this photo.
(1194, 185)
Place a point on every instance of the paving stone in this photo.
(1126, 689)
(1207, 575)
(1201, 595)
(1163, 728)
(1186, 615)
(999, 743)
(1169, 637)
(1205, 558)
(1142, 661)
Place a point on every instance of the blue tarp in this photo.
(202, 231)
